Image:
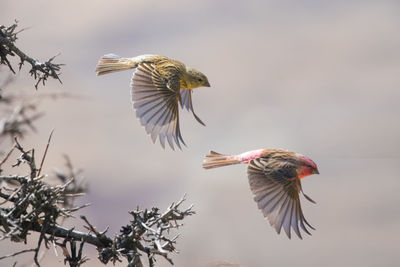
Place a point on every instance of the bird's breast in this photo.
(184, 84)
(303, 172)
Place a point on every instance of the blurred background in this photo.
(317, 77)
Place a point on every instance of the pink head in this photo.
(307, 167)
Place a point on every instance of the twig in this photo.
(45, 152)
(7, 156)
(17, 253)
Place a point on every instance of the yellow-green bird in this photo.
(159, 84)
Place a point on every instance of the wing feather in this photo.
(186, 102)
(282, 214)
(156, 103)
(276, 192)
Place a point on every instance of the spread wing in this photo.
(277, 195)
(155, 99)
(187, 103)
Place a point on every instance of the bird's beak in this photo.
(207, 84)
(316, 171)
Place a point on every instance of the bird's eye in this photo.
(199, 79)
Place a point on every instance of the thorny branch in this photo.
(28, 204)
(31, 205)
(41, 71)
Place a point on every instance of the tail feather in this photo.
(215, 160)
(112, 63)
(212, 153)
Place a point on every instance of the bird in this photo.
(158, 85)
(274, 177)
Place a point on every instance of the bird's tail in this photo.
(112, 63)
(215, 160)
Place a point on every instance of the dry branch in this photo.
(41, 71)
(31, 205)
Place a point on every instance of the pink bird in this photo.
(274, 177)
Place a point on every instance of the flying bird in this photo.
(159, 85)
(274, 178)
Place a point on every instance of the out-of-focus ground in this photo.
(318, 77)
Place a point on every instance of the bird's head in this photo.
(196, 79)
(307, 167)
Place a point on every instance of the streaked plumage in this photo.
(274, 178)
(159, 84)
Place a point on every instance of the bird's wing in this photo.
(155, 99)
(277, 195)
(187, 103)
